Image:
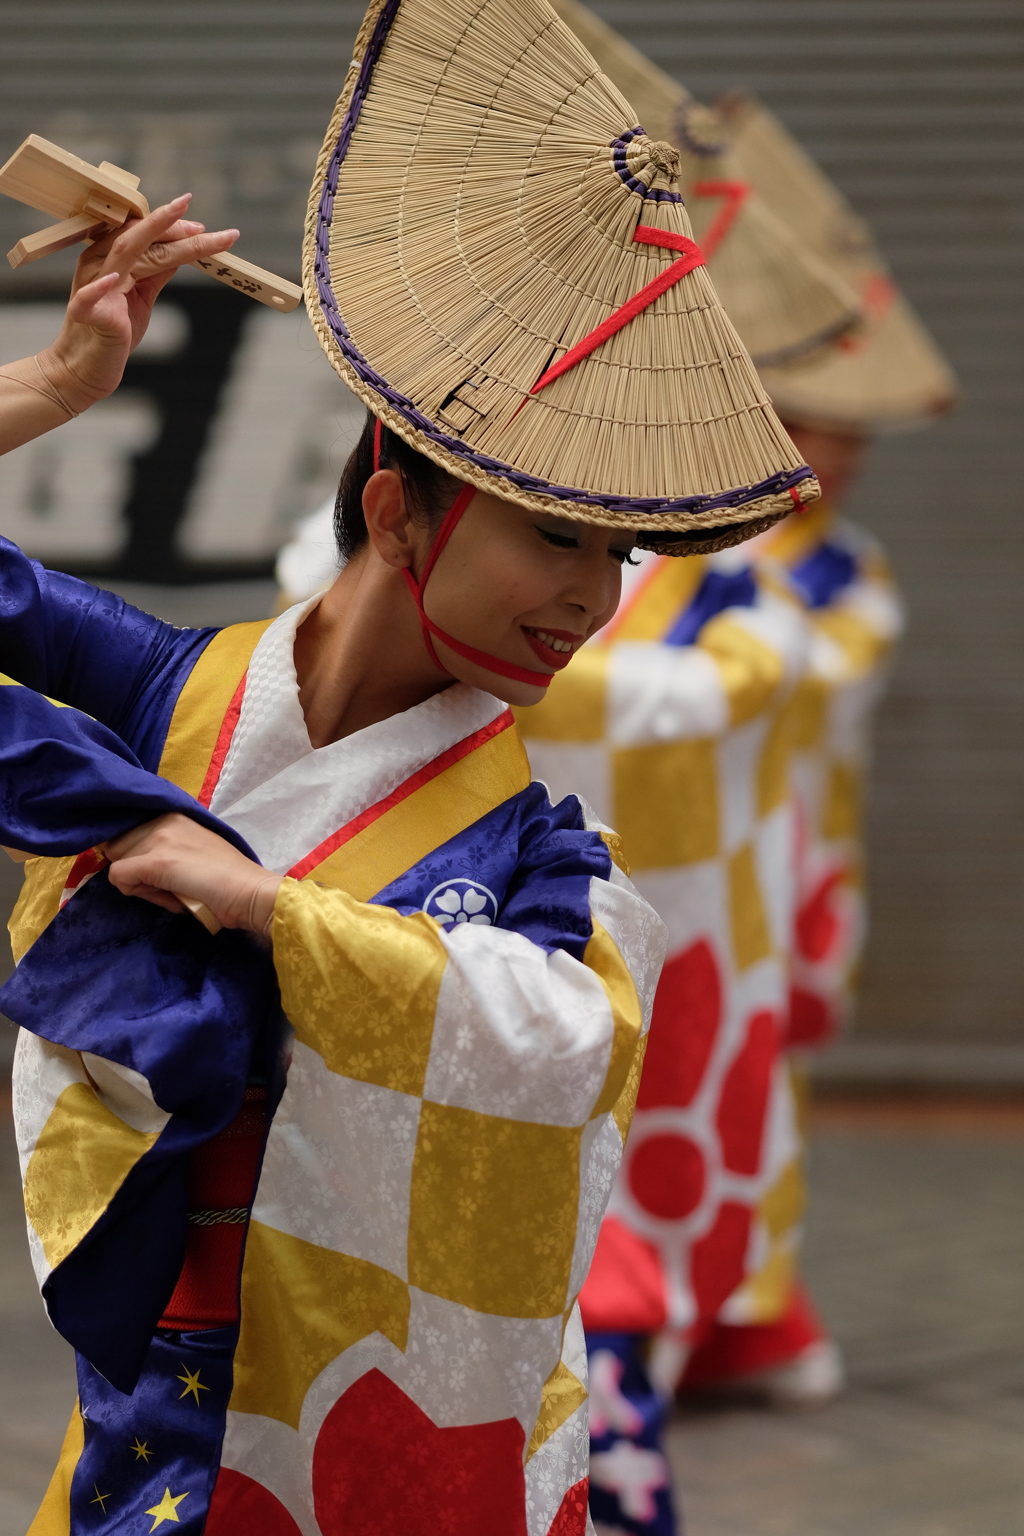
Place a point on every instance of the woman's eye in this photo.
(623, 556)
(559, 540)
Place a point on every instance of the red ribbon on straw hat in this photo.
(735, 194)
(690, 257)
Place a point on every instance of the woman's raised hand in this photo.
(174, 856)
(116, 284)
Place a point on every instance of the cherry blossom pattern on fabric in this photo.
(461, 901)
(381, 1464)
(241, 1504)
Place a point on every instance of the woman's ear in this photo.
(388, 524)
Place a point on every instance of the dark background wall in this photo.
(916, 108)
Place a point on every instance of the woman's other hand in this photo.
(174, 856)
(116, 284)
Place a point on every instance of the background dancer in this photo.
(887, 377)
(664, 1246)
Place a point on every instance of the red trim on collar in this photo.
(455, 754)
(224, 736)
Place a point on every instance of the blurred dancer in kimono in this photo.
(721, 723)
(330, 1285)
(888, 376)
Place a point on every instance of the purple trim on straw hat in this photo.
(703, 151)
(633, 182)
(783, 481)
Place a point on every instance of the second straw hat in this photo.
(783, 300)
(889, 377)
(498, 261)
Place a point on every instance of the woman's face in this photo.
(527, 587)
(835, 458)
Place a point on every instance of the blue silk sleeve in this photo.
(535, 862)
(67, 782)
(91, 649)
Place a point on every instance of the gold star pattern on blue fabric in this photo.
(192, 1383)
(167, 1509)
(141, 1448)
(100, 1499)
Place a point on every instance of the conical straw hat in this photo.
(782, 299)
(889, 376)
(483, 202)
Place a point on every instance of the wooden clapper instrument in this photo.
(90, 199)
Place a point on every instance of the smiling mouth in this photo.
(556, 648)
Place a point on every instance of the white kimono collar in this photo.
(284, 796)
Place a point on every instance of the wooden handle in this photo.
(276, 292)
(201, 911)
(81, 195)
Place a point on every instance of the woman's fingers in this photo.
(174, 854)
(84, 305)
(133, 237)
(161, 242)
(119, 847)
(166, 256)
(121, 879)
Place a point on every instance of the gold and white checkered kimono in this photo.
(468, 977)
(840, 573)
(855, 615)
(674, 724)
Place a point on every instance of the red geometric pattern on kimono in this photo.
(818, 924)
(571, 1519)
(667, 1175)
(685, 1024)
(625, 1288)
(718, 1259)
(241, 1505)
(811, 1020)
(736, 1349)
(744, 1101)
(380, 1465)
(85, 866)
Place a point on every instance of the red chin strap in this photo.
(417, 588)
(689, 256)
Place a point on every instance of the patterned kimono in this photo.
(374, 1326)
(675, 724)
(839, 574)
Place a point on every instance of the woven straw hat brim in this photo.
(891, 375)
(472, 219)
(876, 384)
(783, 300)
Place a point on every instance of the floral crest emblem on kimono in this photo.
(461, 901)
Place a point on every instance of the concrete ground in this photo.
(916, 1256)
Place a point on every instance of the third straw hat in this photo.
(891, 375)
(498, 261)
(784, 301)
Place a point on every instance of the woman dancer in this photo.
(337, 1292)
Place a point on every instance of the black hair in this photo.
(430, 489)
